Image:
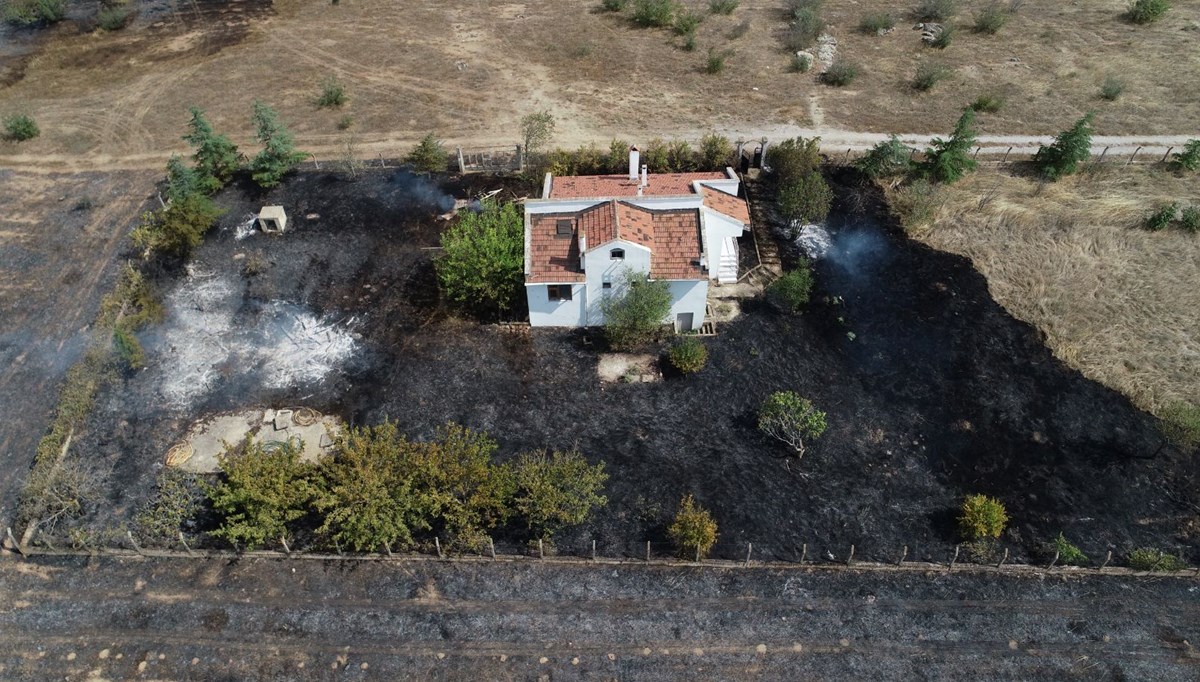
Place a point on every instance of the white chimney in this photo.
(582, 250)
(634, 158)
(645, 175)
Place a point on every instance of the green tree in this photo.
(556, 490)
(1147, 11)
(806, 199)
(791, 419)
(949, 160)
(791, 292)
(178, 228)
(20, 127)
(366, 490)
(482, 263)
(34, 12)
(716, 152)
(1070, 148)
(635, 315)
(653, 13)
(1189, 158)
(216, 158)
(261, 492)
(537, 129)
(182, 181)
(693, 531)
(456, 486)
(429, 155)
(793, 159)
(616, 161)
(688, 356)
(982, 518)
(680, 157)
(886, 159)
(279, 155)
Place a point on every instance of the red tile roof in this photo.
(726, 204)
(673, 237)
(599, 186)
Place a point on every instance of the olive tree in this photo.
(635, 315)
(693, 531)
(556, 490)
(482, 263)
(261, 492)
(791, 419)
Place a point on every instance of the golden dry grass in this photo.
(1114, 300)
(469, 70)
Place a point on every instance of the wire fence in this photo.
(654, 554)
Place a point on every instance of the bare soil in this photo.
(470, 71)
(57, 259)
(933, 392)
(290, 620)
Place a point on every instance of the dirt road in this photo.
(200, 619)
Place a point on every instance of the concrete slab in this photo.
(208, 438)
(627, 368)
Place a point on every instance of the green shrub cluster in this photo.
(1068, 553)
(1069, 149)
(113, 16)
(982, 517)
(792, 419)
(722, 6)
(886, 159)
(634, 312)
(34, 12)
(1112, 88)
(333, 93)
(987, 103)
(806, 24)
(1153, 559)
(930, 74)
(990, 19)
(935, 10)
(654, 13)
(1162, 218)
(1180, 425)
(792, 292)
(429, 156)
(841, 72)
(1188, 159)
(614, 5)
(949, 160)
(482, 264)
(1147, 11)
(688, 355)
(715, 62)
(381, 490)
(943, 39)
(694, 531)
(279, 154)
(874, 23)
(20, 127)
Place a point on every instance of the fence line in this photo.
(850, 563)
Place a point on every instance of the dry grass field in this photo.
(1114, 300)
(469, 70)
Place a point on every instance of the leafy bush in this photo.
(801, 62)
(982, 517)
(34, 12)
(930, 74)
(1189, 219)
(989, 104)
(1189, 158)
(1070, 148)
(715, 63)
(20, 127)
(656, 156)
(653, 13)
(261, 492)
(113, 17)
(943, 39)
(990, 19)
(806, 24)
(177, 500)
(793, 159)
(791, 419)
(1162, 218)
(1068, 553)
(886, 159)
(556, 490)
(680, 157)
(128, 348)
(688, 356)
(722, 6)
(178, 228)
(1152, 559)
(916, 204)
(874, 23)
(482, 263)
(634, 314)
(693, 531)
(617, 159)
(614, 5)
(716, 152)
(949, 160)
(1147, 11)
(537, 129)
(333, 94)
(686, 23)
(429, 156)
(279, 154)
(216, 158)
(791, 292)
(935, 10)
(841, 72)
(181, 180)
(1112, 88)
(806, 199)
(1180, 425)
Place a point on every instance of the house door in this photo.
(683, 322)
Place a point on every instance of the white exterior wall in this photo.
(689, 296)
(546, 313)
(598, 266)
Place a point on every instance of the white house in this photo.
(587, 230)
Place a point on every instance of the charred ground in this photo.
(932, 390)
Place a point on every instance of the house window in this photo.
(617, 254)
(563, 229)
(559, 292)
(606, 285)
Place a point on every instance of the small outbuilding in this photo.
(272, 220)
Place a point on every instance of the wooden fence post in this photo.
(749, 548)
(387, 547)
(1132, 157)
(1167, 155)
(541, 550)
(593, 550)
(438, 543)
(492, 546)
(903, 556)
(1102, 155)
(136, 548)
(1005, 159)
(1003, 558)
(847, 155)
(647, 551)
(954, 559)
(462, 165)
(976, 154)
(803, 552)
(16, 545)
(697, 553)
(850, 559)
(1054, 560)
(183, 542)
(283, 541)
(1106, 560)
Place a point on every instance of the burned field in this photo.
(932, 390)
